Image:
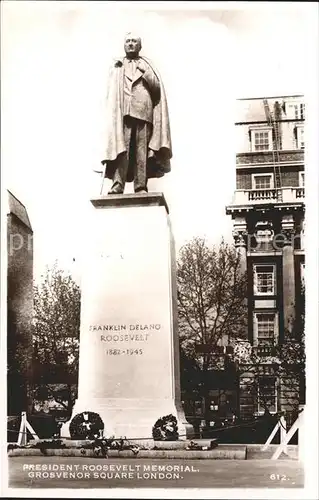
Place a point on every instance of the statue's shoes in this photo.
(141, 191)
(115, 192)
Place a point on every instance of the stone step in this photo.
(144, 443)
(228, 453)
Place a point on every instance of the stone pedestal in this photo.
(129, 354)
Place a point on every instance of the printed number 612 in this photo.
(278, 477)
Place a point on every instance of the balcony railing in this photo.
(255, 196)
(262, 194)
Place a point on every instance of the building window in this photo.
(299, 111)
(264, 234)
(267, 394)
(261, 181)
(261, 140)
(300, 137)
(264, 279)
(266, 328)
(296, 110)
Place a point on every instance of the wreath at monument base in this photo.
(165, 429)
(86, 425)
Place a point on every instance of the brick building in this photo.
(267, 211)
(19, 305)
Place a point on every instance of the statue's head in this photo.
(132, 45)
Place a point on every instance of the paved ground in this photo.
(34, 472)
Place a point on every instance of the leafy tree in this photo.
(56, 325)
(212, 309)
(211, 292)
(211, 296)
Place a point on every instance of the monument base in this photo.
(131, 418)
(129, 350)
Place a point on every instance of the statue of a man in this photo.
(138, 142)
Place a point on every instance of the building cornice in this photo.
(267, 157)
(261, 122)
(289, 96)
(284, 207)
(270, 165)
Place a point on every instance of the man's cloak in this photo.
(160, 148)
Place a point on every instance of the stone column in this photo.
(288, 270)
(240, 236)
(129, 356)
(240, 239)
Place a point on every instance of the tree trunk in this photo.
(206, 395)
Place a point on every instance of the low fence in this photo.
(260, 430)
(44, 426)
(237, 431)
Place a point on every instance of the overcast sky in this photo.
(55, 60)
